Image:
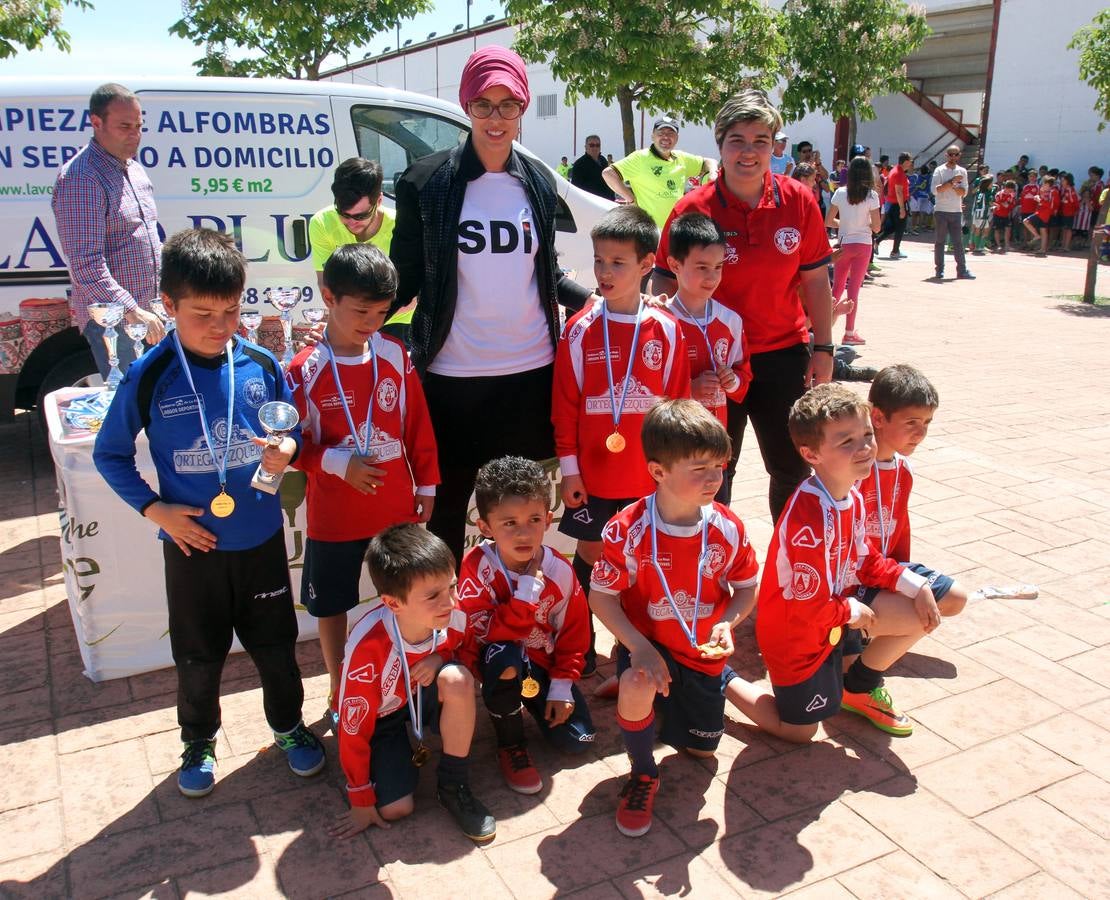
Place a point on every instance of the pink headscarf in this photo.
(491, 66)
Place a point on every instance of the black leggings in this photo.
(479, 419)
(893, 225)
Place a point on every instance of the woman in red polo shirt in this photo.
(776, 260)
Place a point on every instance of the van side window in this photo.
(396, 137)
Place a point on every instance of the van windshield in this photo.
(396, 137)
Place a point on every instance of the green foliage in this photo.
(1093, 43)
(844, 53)
(28, 24)
(684, 56)
(285, 40)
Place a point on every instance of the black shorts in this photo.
(1063, 221)
(576, 734)
(586, 522)
(391, 769)
(818, 697)
(1036, 221)
(329, 579)
(693, 712)
(1000, 222)
(939, 584)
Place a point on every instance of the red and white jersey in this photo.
(1030, 196)
(723, 342)
(402, 441)
(548, 614)
(1069, 200)
(626, 568)
(886, 503)
(1003, 204)
(581, 407)
(819, 555)
(373, 686)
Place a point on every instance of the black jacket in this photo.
(429, 198)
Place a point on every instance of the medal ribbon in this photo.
(703, 327)
(884, 538)
(836, 577)
(690, 631)
(416, 707)
(360, 449)
(220, 462)
(618, 411)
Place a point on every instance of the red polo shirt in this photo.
(768, 247)
(897, 178)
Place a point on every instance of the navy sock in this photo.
(453, 769)
(639, 738)
(859, 679)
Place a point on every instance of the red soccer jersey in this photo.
(721, 343)
(1069, 201)
(402, 442)
(768, 248)
(897, 178)
(1004, 202)
(1047, 205)
(581, 410)
(1030, 195)
(549, 614)
(886, 502)
(626, 568)
(373, 686)
(819, 554)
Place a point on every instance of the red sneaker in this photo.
(634, 808)
(516, 766)
(879, 710)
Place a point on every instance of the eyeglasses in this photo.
(952, 154)
(507, 109)
(593, 146)
(358, 217)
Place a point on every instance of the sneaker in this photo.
(634, 808)
(852, 373)
(520, 774)
(879, 709)
(965, 276)
(897, 255)
(303, 750)
(853, 339)
(197, 776)
(938, 275)
(467, 810)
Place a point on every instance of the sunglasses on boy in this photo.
(507, 109)
(358, 217)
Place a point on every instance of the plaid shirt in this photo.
(108, 226)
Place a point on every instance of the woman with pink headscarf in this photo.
(475, 239)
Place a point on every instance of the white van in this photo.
(250, 157)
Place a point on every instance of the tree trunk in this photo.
(628, 126)
(1092, 266)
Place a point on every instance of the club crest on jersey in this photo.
(720, 351)
(604, 574)
(387, 394)
(355, 711)
(254, 392)
(714, 560)
(804, 581)
(652, 355)
(805, 538)
(787, 240)
(479, 622)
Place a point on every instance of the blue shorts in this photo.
(693, 712)
(586, 522)
(938, 583)
(391, 769)
(330, 577)
(818, 697)
(576, 734)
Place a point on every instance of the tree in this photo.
(1093, 43)
(290, 40)
(28, 24)
(843, 53)
(685, 56)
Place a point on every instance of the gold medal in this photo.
(420, 755)
(529, 688)
(834, 635)
(222, 505)
(615, 443)
(709, 649)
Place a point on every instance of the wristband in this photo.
(825, 348)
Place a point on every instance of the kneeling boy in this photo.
(676, 575)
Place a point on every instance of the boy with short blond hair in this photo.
(528, 619)
(676, 575)
(617, 358)
(400, 672)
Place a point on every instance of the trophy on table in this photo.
(278, 419)
(314, 315)
(108, 316)
(136, 331)
(251, 319)
(285, 299)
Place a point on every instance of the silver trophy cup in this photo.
(159, 309)
(315, 315)
(285, 299)
(278, 419)
(137, 332)
(250, 320)
(108, 316)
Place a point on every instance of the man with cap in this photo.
(782, 163)
(654, 178)
(588, 168)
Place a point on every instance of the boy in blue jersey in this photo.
(197, 395)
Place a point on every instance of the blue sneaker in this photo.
(303, 749)
(197, 776)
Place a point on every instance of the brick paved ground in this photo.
(1003, 790)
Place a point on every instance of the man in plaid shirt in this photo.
(104, 208)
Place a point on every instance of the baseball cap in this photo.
(780, 136)
(666, 122)
(858, 149)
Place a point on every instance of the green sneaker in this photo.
(879, 710)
